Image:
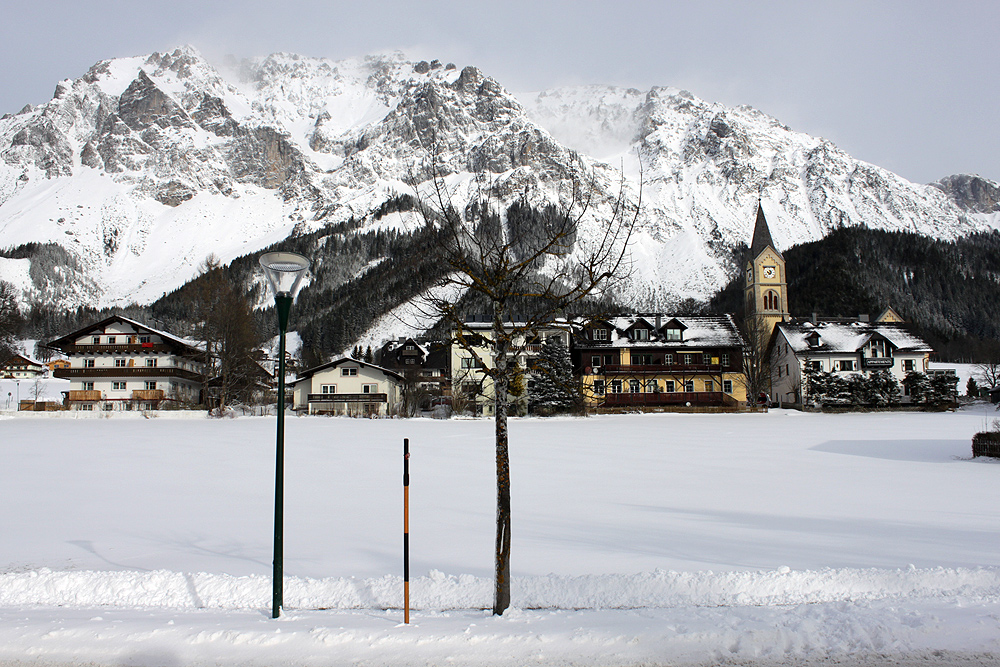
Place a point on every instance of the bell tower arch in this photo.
(766, 289)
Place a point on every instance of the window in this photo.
(724, 360)
(96, 340)
(727, 386)
(908, 364)
(328, 389)
(469, 362)
(815, 365)
(642, 359)
(616, 386)
(600, 334)
(87, 406)
(670, 387)
(369, 389)
(673, 334)
(111, 340)
(689, 385)
(688, 358)
(668, 359)
(144, 339)
(599, 387)
(119, 363)
(709, 385)
(108, 407)
(151, 362)
(411, 360)
(118, 386)
(470, 388)
(846, 365)
(771, 301)
(350, 372)
(595, 360)
(410, 347)
(88, 386)
(641, 334)
(706, 359)
(634, 386)
(652, 386)
(150, 385)
(607, 360)
(88, 363)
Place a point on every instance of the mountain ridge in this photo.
(143, 166)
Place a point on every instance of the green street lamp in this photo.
(284, 271)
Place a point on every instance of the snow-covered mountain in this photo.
(139, 169)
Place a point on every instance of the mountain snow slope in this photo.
(144, 166)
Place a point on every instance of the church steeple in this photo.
(766, 289)
(761, 236)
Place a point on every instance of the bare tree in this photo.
(989, 373)
(228, 330)
(530, 261)
(757, 369)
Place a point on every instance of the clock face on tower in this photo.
(750, 275)
(769, 272)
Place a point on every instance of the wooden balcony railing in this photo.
(658, 369)
(666, 398)
(147, 395)
(85, 395)
(128, 372)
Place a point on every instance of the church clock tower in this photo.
(766, 291)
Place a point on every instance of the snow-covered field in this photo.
(779, 538)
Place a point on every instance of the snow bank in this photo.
(440, 592)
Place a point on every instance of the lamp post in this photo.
(284, 271)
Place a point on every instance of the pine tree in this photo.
(554, 389)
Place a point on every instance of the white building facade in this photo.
(470, 382)
(348, 387)
(841, 348)
(120, 364)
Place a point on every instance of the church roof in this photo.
(761, 236)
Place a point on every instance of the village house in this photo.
(842, 347)
(423, 365)
(122, 364)
(347, 387)
(20, 367)
(470, 382)
(657, 361)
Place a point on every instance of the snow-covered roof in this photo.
(138, 326)
(698, 331)
(849, 337)
(308, 373)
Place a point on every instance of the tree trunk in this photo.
(501, 382)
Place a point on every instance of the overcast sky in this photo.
(910, 86)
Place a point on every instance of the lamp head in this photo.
(284, 270)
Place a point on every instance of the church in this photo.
(841, 346)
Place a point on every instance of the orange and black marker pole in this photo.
(406, 530)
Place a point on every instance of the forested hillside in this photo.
(950, 290)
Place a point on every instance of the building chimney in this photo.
(815, 319)
(863, 317)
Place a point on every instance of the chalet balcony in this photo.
(147, 395)
(667, 398)
(128, 372)
(125, 348)
(348, 398)
(85, 395)
(657, 369)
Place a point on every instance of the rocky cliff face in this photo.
(143, 166)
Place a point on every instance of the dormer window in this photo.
(600, 334)
(673, 334)
(813, 339)
(641, 334)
